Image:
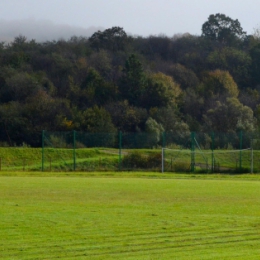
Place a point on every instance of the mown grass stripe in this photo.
(100, 218)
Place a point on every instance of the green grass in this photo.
(57, 159)
(221, 160)
(148, 216)
(87, 159)
(107, 159)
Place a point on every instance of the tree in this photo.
(113, 39)
(250, 97)
(19, 42)
(192, 106)
(257, 115)
(218, 84)
(229, 116)
(154, 46)
(190, 51)
(154, 130)
(46, 112)
(14, 123)
(185, 77)
(101, 61)
(133, 82)
(97, 120)
(255, 69)
(125, 117)
(237, 62)
(94, 90)
(170, 119)
(256, 34)
(20, 86)
(223, 29)
(161, 91)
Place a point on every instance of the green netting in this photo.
(79, 151)
(176, 160)
(140, 151)
(211, 152)
(167, 152)
(20, 158)
(58, 150)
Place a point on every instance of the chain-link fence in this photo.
(164, 152)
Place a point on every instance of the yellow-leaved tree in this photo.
(219, 83)
(161, 91)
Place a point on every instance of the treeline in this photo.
(116, 82)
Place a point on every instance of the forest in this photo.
(113, 81)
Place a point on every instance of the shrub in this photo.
(137, 160)
(154, 160)
(134, 160)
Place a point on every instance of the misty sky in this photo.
(42, 19)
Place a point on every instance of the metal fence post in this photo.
(192, 152)
(241, 147)
(163, 146)
(43, 132)
(120, 152)
(212, 151)
(74, 150)
(252, 157)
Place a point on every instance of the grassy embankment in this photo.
(56, 159)
(91, 159)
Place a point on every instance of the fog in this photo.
(41, 30)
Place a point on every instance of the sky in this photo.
(50, 19)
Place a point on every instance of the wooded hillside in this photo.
(113, 81)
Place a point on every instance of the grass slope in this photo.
(129, 218)
(57, 159)
(108, 159)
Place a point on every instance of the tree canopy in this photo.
(222, 28)
(113, 82)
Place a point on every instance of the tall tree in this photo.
(113, 39)
(223, 29)
(185, 77)
(95, 90)
(127, 118)
(133, 82)
(217, 84)
(161, 91)
(229, 116)
(255, 69)
(14, 123)
(170, 119)
(97, 120)
(237, 62)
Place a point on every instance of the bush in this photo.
(154, 161)
(181, 167)
(137, 160)
(134, 160)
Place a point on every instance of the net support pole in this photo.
(252, 157)
(240, 146)
(212, 151)
(192, 152)
(74, 150)
(163, 145)
(43, 137)
(162, 160)
(120, 151)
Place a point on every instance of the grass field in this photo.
(139, 217)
